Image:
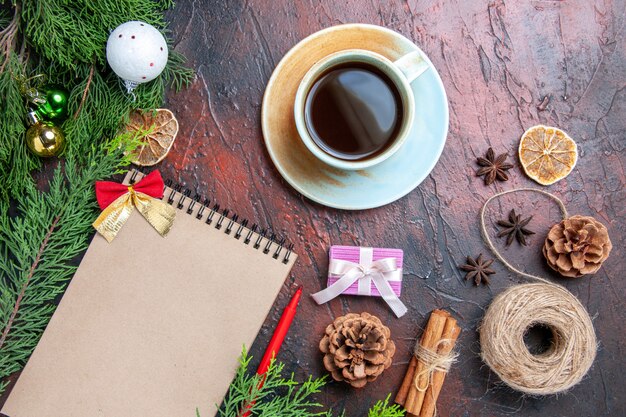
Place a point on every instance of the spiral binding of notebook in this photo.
(223, 219)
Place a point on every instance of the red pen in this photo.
(277, 339)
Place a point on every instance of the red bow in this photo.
(118, 201)
(108, 191)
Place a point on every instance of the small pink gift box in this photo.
(365, 256)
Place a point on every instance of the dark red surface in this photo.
(498, 61)
(506, 66)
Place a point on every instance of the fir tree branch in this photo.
(282, 397)
(383, 409)
(81, 27)
(16, 162)
(85, 91)
(277, 397)
(7, 38)
(18, 301)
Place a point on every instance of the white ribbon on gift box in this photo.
(378, 272)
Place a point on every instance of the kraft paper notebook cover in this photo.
(152, 326)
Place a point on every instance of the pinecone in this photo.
(577, 246)
(357, 348)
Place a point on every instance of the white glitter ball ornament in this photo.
(137, 53)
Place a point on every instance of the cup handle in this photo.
(412, 65)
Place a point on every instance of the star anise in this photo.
(478, 269)
(515, 228)
(493, 167)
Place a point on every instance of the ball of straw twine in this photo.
(513, 313)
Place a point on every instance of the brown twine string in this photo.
(490, 245)
(521, 307)
(432, 362)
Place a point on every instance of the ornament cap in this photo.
(35, 97)
(32, 118)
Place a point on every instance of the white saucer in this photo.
(368, 188)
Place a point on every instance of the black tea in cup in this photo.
(353, 111)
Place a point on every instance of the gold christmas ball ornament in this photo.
(44, 139)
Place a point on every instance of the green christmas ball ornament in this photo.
(44, 139)
(55, 105)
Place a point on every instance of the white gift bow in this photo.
(351, 272)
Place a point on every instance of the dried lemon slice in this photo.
(157, 131)
(547, 154)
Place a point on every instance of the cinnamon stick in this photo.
(407, 381)
(451, 332)
(432, 335)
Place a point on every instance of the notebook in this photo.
(152, 326)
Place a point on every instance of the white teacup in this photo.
(401, 72)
